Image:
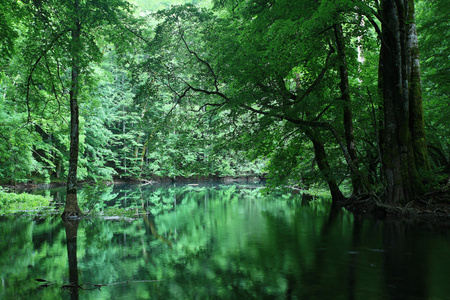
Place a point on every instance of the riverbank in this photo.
(432, 209)
(197, 179)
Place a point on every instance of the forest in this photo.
(348, 95)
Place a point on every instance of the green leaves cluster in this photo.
(434, 51)
(12, 203)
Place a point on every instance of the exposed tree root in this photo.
(433, 208)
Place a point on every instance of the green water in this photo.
(220, 242)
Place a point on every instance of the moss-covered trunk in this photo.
(403, 182)
(417, 125)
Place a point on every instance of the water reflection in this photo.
(405, 262)
(223, 243)
(71, 227)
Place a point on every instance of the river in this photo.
(219, 242)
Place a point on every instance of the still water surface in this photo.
(220, 242)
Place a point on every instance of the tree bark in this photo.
(71, 208)
(324, 167)
(417, 125)
(402, 178)
(344, 86)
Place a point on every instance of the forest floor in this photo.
(432, 209)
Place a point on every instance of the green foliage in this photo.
(9, 14)
(189, 92)
(12, 203)
(434, 50)
(250, 78)
(36, 91)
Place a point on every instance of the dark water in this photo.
(220, 243)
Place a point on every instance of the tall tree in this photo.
(279, 65)
(70, 31)
(262, 77)
(404, 144)
(71, 207)
(344, 86)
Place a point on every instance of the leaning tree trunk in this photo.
(403, 182)
(71, 207)
(324, 167)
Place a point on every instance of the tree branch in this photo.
(317, 80)
(200, 59)
(34, 67)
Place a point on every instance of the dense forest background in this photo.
(295, 92)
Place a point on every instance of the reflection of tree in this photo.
(151, 224)
(71, 238)
(225, 244)
(405, 264)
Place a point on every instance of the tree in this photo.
(262, 77)
(70, 31)
(434, 48)
(404, 143)
(275, 64)
(71, 207)
(344, 86)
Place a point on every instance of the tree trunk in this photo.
(402, 178)
(417, 125)
(344, 86)
(324, 167)
(71, 207)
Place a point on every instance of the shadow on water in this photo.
(405, 262)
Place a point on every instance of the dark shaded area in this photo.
(71, 237)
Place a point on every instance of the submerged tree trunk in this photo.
(344, 86)
(403, 182)
(71, 208)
